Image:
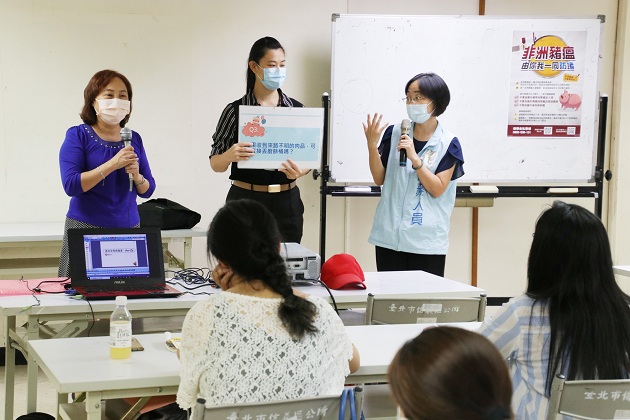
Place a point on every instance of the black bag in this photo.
(167, 412)
(167, 214)
(36, 415)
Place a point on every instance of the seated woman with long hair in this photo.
(257, 340)
(574, 319)
(450, 373)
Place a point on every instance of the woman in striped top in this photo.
(276, 190)
(574, 319)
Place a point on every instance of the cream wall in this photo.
(186, 61)
(618, 199)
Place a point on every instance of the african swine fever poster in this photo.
(546, 84)
(281, 133)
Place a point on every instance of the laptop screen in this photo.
(116, 256)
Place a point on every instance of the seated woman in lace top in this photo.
(257, 340)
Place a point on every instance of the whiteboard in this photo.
(374, 56)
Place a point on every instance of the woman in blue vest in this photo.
(412, 220)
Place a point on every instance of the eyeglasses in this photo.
(414, 100)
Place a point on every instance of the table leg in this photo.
(61, 399)
(73, 329)
(31, 367)
(93, 405)
(188, 252)
(9, 368)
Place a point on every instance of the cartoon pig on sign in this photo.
(570, 100)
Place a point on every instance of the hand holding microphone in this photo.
(405, 128)
(125, 135)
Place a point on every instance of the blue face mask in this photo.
(418, 113)
(273, 77)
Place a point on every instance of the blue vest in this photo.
(408, 218)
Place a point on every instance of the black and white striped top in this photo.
(226, 135)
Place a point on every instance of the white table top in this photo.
(622, 270)
(378, 344)
(157, 366)
(39, 232)
(401, 283)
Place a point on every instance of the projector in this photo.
(302, 263)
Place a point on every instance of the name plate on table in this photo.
(281, 133)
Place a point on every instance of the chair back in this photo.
(589, 399)
(386, 309)
(318, 408)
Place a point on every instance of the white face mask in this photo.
(113, 111)
(273, 77)
(418, 113)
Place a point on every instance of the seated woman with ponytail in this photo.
(256, 340)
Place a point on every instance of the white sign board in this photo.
(281, 133)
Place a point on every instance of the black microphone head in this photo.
(125, 134)
(405, 126)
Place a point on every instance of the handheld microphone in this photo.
(125, 135)
(405, 128)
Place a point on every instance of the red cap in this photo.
(342, 270)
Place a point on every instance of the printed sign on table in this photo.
(281, 133)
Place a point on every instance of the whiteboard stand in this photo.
(325, 176)
(596, 191)
(600, 175)
(486, 45)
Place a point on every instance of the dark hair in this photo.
(570, 272)
(433, 87)
(97, 83)
(244, 235)
(258, 51)
(450, 373)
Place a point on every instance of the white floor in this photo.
(46, 395)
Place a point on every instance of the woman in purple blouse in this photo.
(96, 164)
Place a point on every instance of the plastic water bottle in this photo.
(120, 330)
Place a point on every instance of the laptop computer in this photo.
(105, 263)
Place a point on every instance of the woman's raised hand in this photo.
(373, 129)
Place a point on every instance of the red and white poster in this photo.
(546, 87)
